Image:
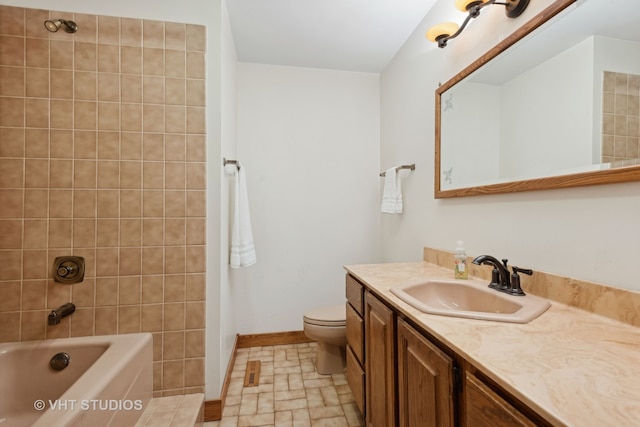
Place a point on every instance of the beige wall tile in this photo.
(36, 143)
(152, 289)
(131, 204)
(128, 319)
(152, 33)
(152, 260)
(36, 202)
(33, 325)
(153, 61)
(152, 317)
(131, 146)
(11, 203)
(37, 82)
(173, 345)
(35, 173)
(11, 173)
(34, 264)
(196, 65)
(174, 231)
(108, 30)
(33, 294)
(62, 53)
(175, 35)
(196, 37)
(174, 63)
(89, 169)
(193, 372)
(107, 262)
(153, 204)
(174, 288)
(195, 343)
(195, 287)
(10, 296)
(175, 147)
(37, 54)
(12, 81)
(153, 146)
(108, 58)
(131, 32)
(107, 233)
(131, 60)
(13, 266)
(60, 203)
(12, 49)
(12, 112)
(82, 322)
(153, 232)
(13, 141)
(12, 21)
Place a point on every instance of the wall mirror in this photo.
(554, 105)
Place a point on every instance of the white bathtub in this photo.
(108, 381)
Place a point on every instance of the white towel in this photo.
(392, 193)
(243, 252)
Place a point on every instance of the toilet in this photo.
(328, 327)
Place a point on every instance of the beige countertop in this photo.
(572, 367)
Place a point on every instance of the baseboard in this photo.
(273, 338)
(213, 408)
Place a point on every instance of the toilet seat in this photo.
(330, 316)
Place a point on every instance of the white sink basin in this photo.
(471, 299)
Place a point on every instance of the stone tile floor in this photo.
(290, 392)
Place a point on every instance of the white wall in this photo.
(212, 14)
(590, 233)
(309, 140)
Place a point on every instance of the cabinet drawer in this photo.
(355, 379)
(355, 333)
(485, 408)
(355, 294)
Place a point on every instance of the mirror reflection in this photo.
(563, 100)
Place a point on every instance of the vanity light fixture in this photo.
(442, 33)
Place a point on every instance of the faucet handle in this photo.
(515, 280)
(526, 271)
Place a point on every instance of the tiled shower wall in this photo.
(102, 155)
(620, 118)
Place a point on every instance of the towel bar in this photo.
(411, 167)
(226, 162)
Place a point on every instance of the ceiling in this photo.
(353, 35)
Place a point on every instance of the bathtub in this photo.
(108, 381)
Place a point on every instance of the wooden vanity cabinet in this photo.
(401, 378)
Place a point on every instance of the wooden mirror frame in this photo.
(609, 176)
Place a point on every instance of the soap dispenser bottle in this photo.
(460, 270)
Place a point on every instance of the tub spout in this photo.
(63, 311)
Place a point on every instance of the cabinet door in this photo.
(425, 381)
(380, 363)
(485, 408)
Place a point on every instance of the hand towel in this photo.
(243, 252)
(392, 192)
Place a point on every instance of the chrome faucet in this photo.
(63, 311)
(500, 279)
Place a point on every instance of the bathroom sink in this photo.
(470, 299)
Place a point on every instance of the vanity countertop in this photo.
(572, 367)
